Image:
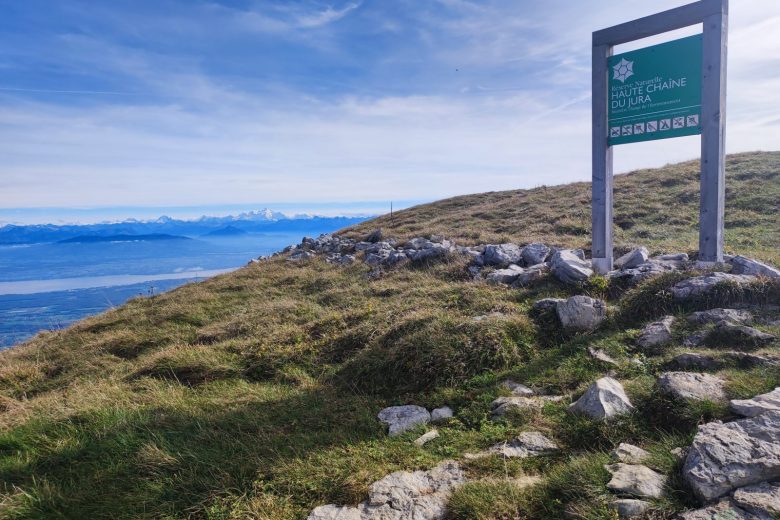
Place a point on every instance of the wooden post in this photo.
(714, 15)
(601, 209)
(713, 135)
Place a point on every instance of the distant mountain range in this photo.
(89, 239)
(262, 221)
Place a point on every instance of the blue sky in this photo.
(186, 103)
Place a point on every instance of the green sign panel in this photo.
(655, 92)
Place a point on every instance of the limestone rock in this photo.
(635, 480)
(758, 405)
(505, 276)
(718, 315)
(695, 361)
(633, 258)
(739, 336)
(629, 454)
(700, 285)
(601, 356)
(426, 437)
(727, 456)
(546, 304)
(656, 334)
(570, 268)
(725, 509)
(503, 405)
(334, 512)
(696, 339)
(403, 418)
(761, 499)
(691, 385)
(441, 414)
(744, 265)
(674, 257)
(530, 274)
(534, 254)
(419, 495)
(642, 272)
(630, 507)
(502, 255)
(527, 444)
(603, 399)
(581, 312)
(517, 389)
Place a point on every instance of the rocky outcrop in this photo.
(581, 312)
(744, 265)
(762, 499)
(504, 405)
(505, 276)
(632, 259)
(502, 255)
(693, 386)
(635, 480)
(527, 444)
(738, 336)
(402, 418)
(656, 334)
(699, 286)
(769, 402)
(604, 399)
(629, 454)
(718, 315)
(725, 509)
(441, 414)
(630, 507)
(535, 254)
(568, 267)
(728, 456)
(418, 495)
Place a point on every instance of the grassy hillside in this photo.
(655, 208)
(254, 394)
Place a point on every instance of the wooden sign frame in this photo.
(713, 14)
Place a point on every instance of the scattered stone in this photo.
(718, 315)
(761, 499)
(403, 418)
(502, 255)
(744, 265)
(441, 414)
(738, 336)
(546, 304)
(746, 359)
(527, 444)
(700, 285)
(301, 255)
(418, 495)
(759, 404)
(674, 257)
(601, 356)
(603, 399)
(633, 259)
(581, 312)
(693, 386)
(630, 507)
(426, 437)
(642, 272)
(629, 454)
(517, 389)
(679, 453)
(503, 405)
(727, 456)
(696, 339)
(635, 480)
(695, 361)
(534, 254)
(505, 276)
(570, 268)
(725, 510)
(656, 334)
(530, 275)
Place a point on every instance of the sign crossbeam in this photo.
(696, 68)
